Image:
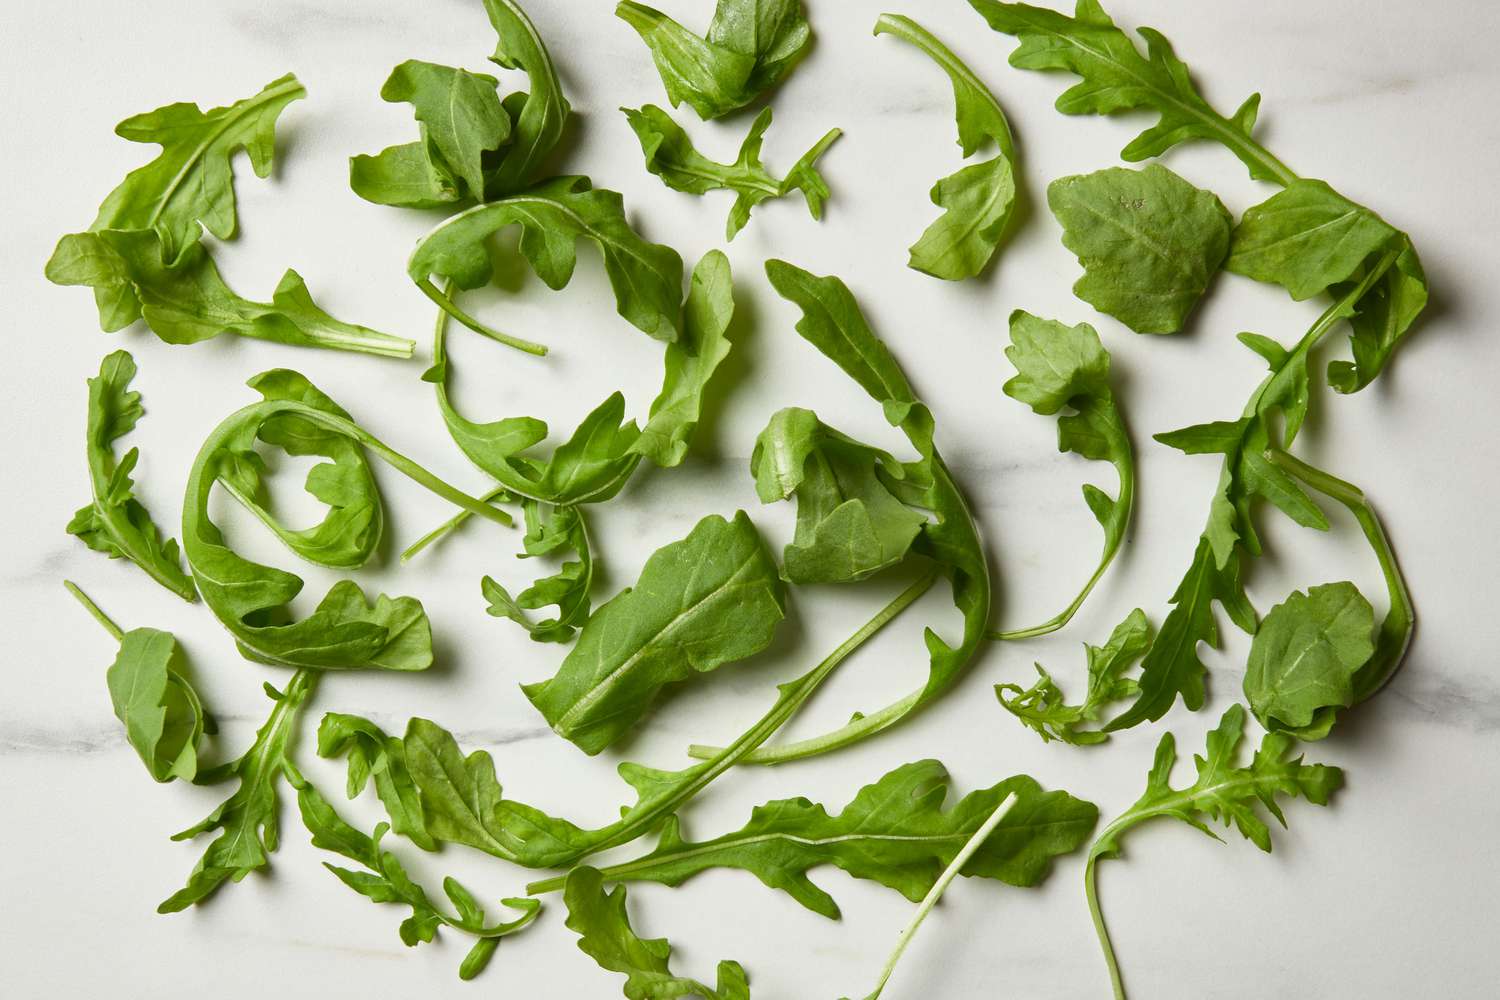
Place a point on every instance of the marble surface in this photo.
(1392, 892)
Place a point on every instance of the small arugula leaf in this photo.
(1222, 792)
(561, 528)
(384, 880)
(460, 114)
(553, 216)
(247, 821)
(670, 155)
(1149, 242)
(849, 524)
(1305, 656)
(1042, 706)
(406, 176)
(1061, 366)
(115, 522)
(894, 831)
(184, 300)
(710, 599)
(148, 686)
(192, 180)
(540, 114)
(374, 755)
(605, 935)
(751, 46)
(1115, 77)
(979, 199)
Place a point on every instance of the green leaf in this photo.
(247, 821)
(605, 935)
(1115, 77)
(894, 832)
(562, 528)
(710, 599)
(1042, 706)
(1306, 238)
(1304, 658)
(192, 180)
(460, 113)
(538, 116)
(977, 200)
(115, 522)
(405, 176)
(849, 524)
(751, 46)
(553, 216)
(1385, 315)
(184, 300)
(1061, 366)
(163, 716)
(670, 155)
(1149, 242)
(385, 881)
(373, 754)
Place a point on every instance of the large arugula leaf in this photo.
(979, 199)
(247, 821)
(1149, 242)
(184, 300)
(1222, 792)
(670, 155)
(605, 935)
(751, 46)
(712, 598)
(152, 697)
(115, 522)
(553, 216)
(384, 880)
(1043, 707)
(1060, 366)
(1305, 657)
(894, 831)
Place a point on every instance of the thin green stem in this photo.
(446, 303)
(94, 609)
(939, 887)
(382, 345)
(1091, 890)
(452, 524)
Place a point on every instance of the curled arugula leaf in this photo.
(751, 45)
(148, 686)
(1061, 366)
(605, 935)
(553, 216)
(374, 755)
(894, 831)
(670, 155)
(712, 598)
(1222, 792)
(461, 121)
(979, 199)
(247, 821)
(115, 522)
(1149, 242)
(248, 598)
(560, 529)
(386, 881)
(1042, 706)
(539, 114)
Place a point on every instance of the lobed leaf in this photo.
(1042, 706)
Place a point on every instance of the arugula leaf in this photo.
(148, 686)
(553, 216)
(373, 754)
(460, 114)
(979, 199)
(386, 881)
(849, 524)
(248, 598)
(405, 176)
(539, 115)
(1222, 792)
(1304, 658)
(1115, 77)
(751, 46)
(1061, 366)
(710, 599)
(115, 522)
(192, 180)
(894, 832)
(670, 155)
(1149, 242)
(1042, 706)
(247, 821)
(605, 935)
(562, 528)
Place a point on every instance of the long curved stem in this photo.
(447, 305)
(1091, 890)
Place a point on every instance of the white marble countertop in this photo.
(1391, 892)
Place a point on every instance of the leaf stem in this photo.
(451, 308)
(94, 609)
(449, 525)
(1091, 890)
(938, 888)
